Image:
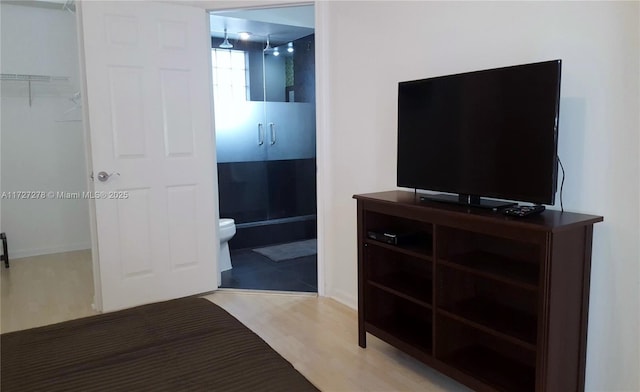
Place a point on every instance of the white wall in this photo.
(374, 45)
(42, 150)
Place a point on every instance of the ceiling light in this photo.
(275, 52)
(244, 35)
(226, 44)
(290, 47)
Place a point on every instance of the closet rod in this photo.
(33, 78)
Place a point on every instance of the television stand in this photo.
(497, 304)
(468, 200)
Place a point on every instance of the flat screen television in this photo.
(490, 133)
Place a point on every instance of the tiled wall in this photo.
(268, 190)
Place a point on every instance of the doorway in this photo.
(44, 180)
(263, 66)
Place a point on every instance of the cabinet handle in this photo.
(260, 134)
(273, 134)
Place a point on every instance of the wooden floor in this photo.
(46, 289)
(317, 335)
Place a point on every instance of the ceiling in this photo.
(283, 24)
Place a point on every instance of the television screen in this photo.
(489, 133)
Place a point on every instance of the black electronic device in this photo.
(391, 237)
(522, 211)
(474, 135)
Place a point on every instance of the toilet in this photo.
(227, 231)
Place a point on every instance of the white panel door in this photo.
(149, 104)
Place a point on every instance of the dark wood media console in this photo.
(497, 303)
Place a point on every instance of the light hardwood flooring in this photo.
(45, 289)
(317, 335)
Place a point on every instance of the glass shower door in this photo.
(241, 147)
(239, 120)
(240, 131)
(290, 131)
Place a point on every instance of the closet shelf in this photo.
(32, 78)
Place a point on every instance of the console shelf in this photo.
(488, 318)
(496, 267)
(421, 252)
(493, 368)
(417, 336)
(498, 303)
(410, 289)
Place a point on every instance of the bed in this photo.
(188, 344)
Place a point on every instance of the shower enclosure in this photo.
(264, 100)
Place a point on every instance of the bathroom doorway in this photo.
(263, 66)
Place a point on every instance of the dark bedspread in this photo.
(187, 344)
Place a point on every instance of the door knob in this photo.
(104, 176)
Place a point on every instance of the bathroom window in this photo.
(230, 80)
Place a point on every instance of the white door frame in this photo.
(93, 226)
(321, 30)
(322, 134)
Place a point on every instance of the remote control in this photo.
(522, 211)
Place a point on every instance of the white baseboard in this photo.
(21, 253)
(343, 297)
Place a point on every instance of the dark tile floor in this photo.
(252, 270)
